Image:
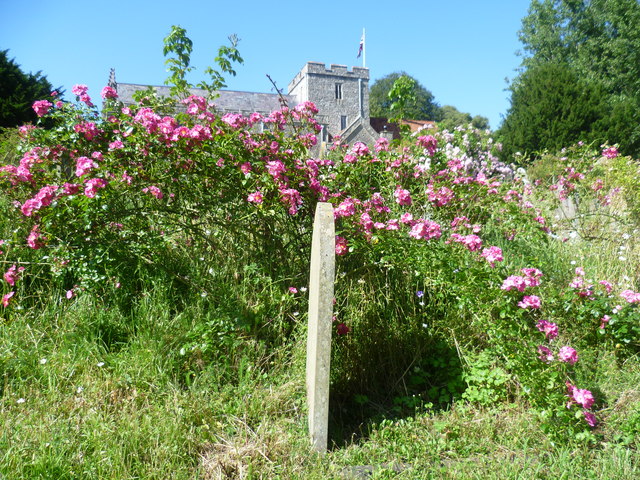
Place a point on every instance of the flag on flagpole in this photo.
(361, 46)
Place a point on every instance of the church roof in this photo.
(228, 100)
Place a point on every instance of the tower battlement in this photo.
(336, 70)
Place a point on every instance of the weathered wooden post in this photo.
(321, 280)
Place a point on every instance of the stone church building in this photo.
(341, 95)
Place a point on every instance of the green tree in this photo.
(419, 102)
(451, 118)
(551, 108)
(600, 41)
(18, 91)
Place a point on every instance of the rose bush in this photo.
(215, 206)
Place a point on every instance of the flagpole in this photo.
(364, 50)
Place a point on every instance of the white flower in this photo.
(100, 364)
(79, 390)
(43, 361)
(20, 400)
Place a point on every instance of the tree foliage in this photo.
(599, 41)
(18, 91)
(451, 118)
(418, 102)
(551, 107)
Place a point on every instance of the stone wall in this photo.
(341, 95)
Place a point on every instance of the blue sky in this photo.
(460, 50)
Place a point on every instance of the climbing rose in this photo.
(611, 152)
(41, 107)
(341, 245)
(255, 197)
(108, 92)
(549, 329)
(92, 186)
(583, 397)
(34, 238)
(568, 355)
(403, 197)
(342, 329)
(11, 275)
(530, 301)
(155, 191)
(426, 229)
(544, 354)
(492, 255)
(7, 298)
(84, 165)
(590, 418)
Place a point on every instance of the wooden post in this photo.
(321, 280)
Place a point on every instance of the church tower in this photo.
(342, 98)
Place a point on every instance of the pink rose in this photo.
(41, 107)
(568, 355)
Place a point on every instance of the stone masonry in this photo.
(341, 95)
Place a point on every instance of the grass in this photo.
(160, 385)
(90, 395)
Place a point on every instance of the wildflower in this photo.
(81, 92)
(382, 145)
(293, 290)
(603, 321)
(530, 301)
(276, 168)
(292, 197)
(345, 209)
(407, 218)
(428, 142)
(245, 168)
(568, 355)
(419, 294)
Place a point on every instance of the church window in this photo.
(343, 122)
(338, 91)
